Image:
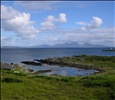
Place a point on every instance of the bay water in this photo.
(16, 55)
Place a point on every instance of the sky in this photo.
(31, 23)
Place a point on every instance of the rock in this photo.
(30, 70)
(31, 63)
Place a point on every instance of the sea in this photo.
(16, 55)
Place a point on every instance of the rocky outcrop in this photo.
(74, 61)
(31, 63)
(60, 61)
(78, 61)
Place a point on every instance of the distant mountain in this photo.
(41, 46)
(90, 45)
(76, 45)
(70, 44)
(64, 45)
(10, 47)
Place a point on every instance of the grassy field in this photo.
(101, 86)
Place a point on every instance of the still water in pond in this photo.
(62, 70)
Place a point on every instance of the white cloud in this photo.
(62, 18)
(81, 23)
(48, 24)
(50, 18)
(17, 22)
(8, 12)
(6, 41)
(100, 36)
(42, 5)
(94, 23)
(97, 36)
(34, 5)
(80, 4)
(51, 5)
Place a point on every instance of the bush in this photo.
(11, 80)
(101, 58)
(97, 81)
(21, 74)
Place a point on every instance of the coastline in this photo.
(77, 61)
(85, 62)
(16, 67)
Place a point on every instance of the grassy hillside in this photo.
(101, 86)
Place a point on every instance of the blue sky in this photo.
(30, 23)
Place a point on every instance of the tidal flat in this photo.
(25, 86)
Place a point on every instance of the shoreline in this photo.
(16, 67)
(92, 62)
(76, 61)
(69, 63)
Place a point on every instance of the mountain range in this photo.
(64, 45)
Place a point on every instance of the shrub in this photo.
(101, 58)
(96, 81)
(11, 80)
(21, 74)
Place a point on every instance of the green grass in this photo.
(98, 62)
(101, 86)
